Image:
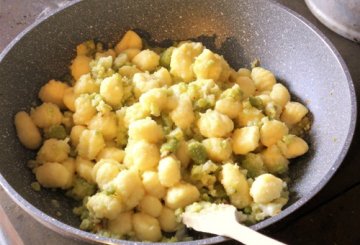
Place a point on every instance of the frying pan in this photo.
(300, 56)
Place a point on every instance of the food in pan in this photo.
(139, 133)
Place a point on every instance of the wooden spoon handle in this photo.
(247, 235)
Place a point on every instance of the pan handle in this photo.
(8, 234)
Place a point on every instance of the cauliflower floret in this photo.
(203, 89)
(146, 129)
(178, 89)
(205, 174)
(214, 124)
(133, 113)
(144, 82)
(154, 100)
(105, 206)
(182, 59)
(84, 109)
(99, 104)
(163, 76)
(266, 188)
(86, 85)
(209, 65)
(53, 150)
(101, 67)
(112, 91)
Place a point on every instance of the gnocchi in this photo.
(46, 115)
(53, 92)
(169, 171)
(53, 175)
(28, 134)
(266, 188)
(141, 133)
(152, 185)
(214, 124)
(146, 228)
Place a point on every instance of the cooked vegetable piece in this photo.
(197, 152)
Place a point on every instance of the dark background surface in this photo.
(331, 217)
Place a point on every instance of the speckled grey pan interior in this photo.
(246, 29)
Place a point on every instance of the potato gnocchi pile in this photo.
(138, 134)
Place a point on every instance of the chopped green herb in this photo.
(36, 186)
(256, 102)
(170, 146)
(165, 57)
(197, 152)
(55, 131)
(81, 189)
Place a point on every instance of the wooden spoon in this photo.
(221, 220)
